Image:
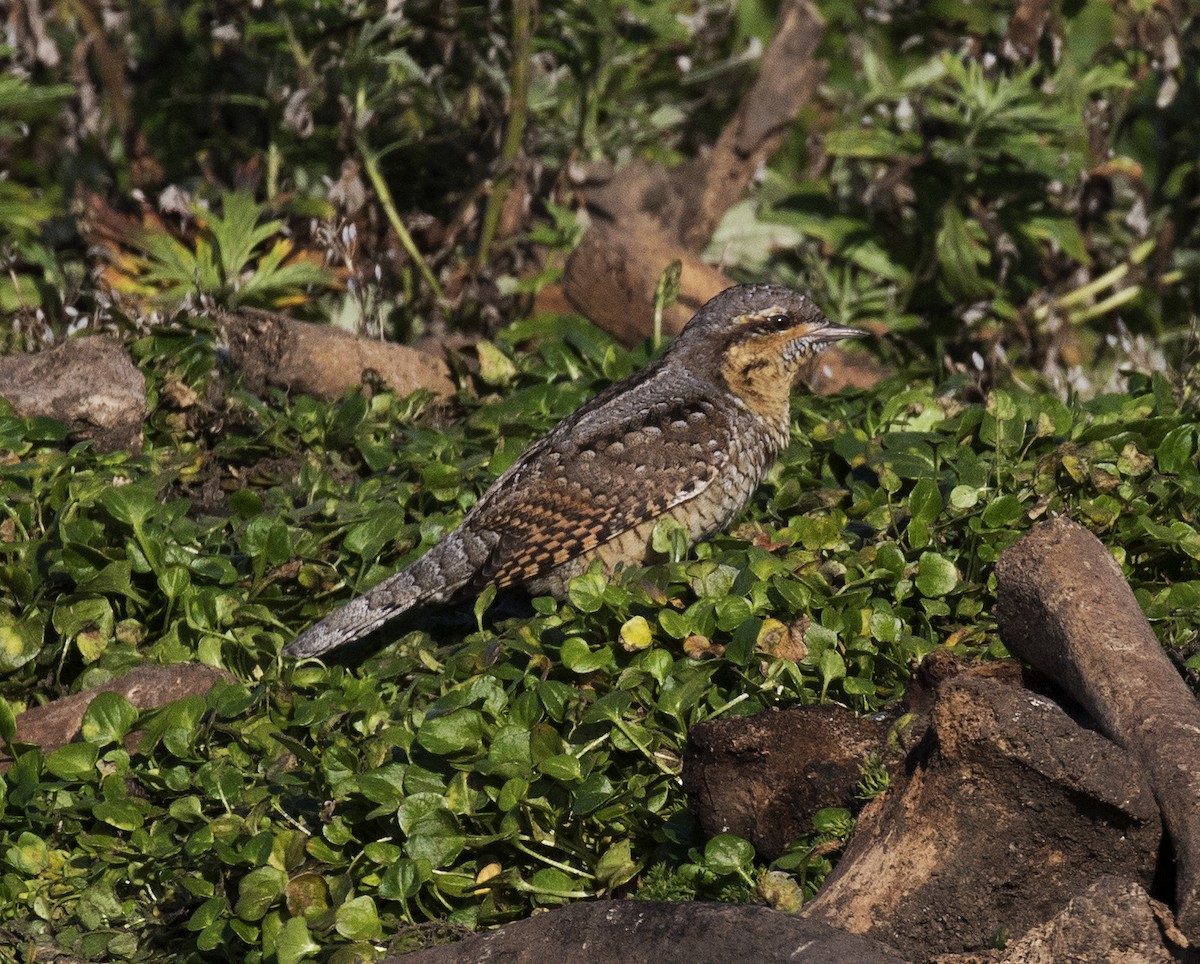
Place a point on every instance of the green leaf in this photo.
(98, 905)
(175, 725)
(88, 622)
(208, 913)
(452, 733)
(401, 880)
(732, 611)
(347, 418)
(258, 892)
(132, 504)
(835, 821)
(563, 767)
(485, 600)
(925, 503)
(357, 920)
(75, 761)
(578, 657)
(666, 291)
(108, 718)
(728, 854)
(594, 792)
(212, 936)
(186, 809)
(956, 257)
(1060, 229)
(1174, 453)
(586, 592)
(8, 722)
(617, 865)
(495, 367)
(29, 855)
(265, 540)
(552, 885)
(963, 497)
(235, 234)
(1001, 513)
(858, 686)
(417, 806)
(675, 624)
(115, 578)
(383, 786)
(294, 943)
(20, 640)
(831, 666)
(122, 814)
(436, 837)
(611, 707)
(936, 575)
(870, 142)
(670, 538)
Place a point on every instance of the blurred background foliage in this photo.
(1004, 189)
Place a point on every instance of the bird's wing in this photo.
(613, 468)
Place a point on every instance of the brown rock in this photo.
(1114, 921)
(323, 361)
(611, 276)
(89, 383)
(657, 932)
(146, 687)
(1007, 809)
(836, 368)
(762, 777)
(1064, 605)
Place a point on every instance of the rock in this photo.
(89, 383)
(657, 932)
(612, 273)
(147, 687)
(319, 360)
(1007, 808)
(1112, 922)
(762, 777)
(1064, 605)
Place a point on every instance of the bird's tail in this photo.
(433, 578)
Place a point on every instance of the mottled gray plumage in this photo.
(689, 436)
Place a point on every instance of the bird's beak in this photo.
(832, 333)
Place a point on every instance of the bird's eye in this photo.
(777, 321)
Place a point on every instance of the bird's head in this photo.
(758, 338)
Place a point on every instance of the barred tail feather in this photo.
(358, 617)
(433, 578)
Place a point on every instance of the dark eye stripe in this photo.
(771, 323)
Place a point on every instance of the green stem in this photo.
(565, 894)
(644, 750)
(522, 31)
(1096, 285)
(1107, 305)
(727, 706)
(371, 165)
(565, 868)
(1093, 287)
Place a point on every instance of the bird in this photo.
(689, 437)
